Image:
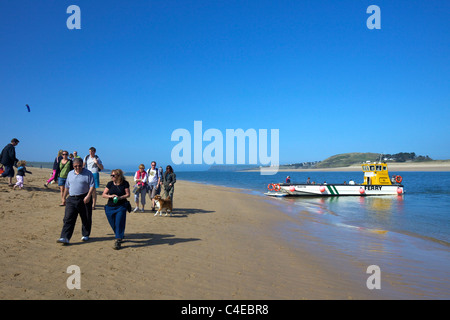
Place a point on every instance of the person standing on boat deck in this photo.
(80, 186)
(308, 181)
(93, 163)
(288, 179)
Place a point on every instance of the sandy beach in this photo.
(221, 243)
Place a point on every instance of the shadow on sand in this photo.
(184, 212)
(137, 240)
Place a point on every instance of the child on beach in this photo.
(21, 170)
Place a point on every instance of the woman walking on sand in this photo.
(65, 166)
(169, 179)
(117, 191)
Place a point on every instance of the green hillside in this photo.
(347, 159)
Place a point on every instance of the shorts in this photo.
(152, 190)
(9, 171)
(61, 181)
(96, 179)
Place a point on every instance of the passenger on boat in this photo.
(308, 181)
(288, 179)
(351, 182)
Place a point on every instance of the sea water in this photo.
(423, 211)
(408, 236)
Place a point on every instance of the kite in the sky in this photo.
(28, 107)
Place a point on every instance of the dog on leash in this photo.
(163, 204)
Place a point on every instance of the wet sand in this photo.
(221, 243)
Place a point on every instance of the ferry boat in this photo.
(376, 183)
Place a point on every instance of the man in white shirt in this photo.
(153, 180)
(93, 163)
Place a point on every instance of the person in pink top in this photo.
(140, 188)
(55, 167)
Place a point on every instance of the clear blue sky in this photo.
(138, 70)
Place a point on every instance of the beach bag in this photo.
(137, 189)
(128, 206)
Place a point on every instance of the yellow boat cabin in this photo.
(377, 174)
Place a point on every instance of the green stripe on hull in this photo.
(336, 190)
(333, 190)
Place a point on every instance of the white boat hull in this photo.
(340, 190)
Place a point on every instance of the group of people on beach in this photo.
(80, 191)
(63, 164)
(78, 180)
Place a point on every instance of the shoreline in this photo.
(222, 243)
(435, 166)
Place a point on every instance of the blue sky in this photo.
(138, 70)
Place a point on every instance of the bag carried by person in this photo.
(137, 188)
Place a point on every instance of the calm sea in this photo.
(407, 236)
(423, 211)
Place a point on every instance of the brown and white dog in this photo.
(163, 204)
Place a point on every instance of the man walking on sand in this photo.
(93, 163)
(79, 186)
(8, 159)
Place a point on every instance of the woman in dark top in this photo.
(169, 179)
(117, 191)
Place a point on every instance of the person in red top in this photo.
(140, 188)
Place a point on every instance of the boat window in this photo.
(372, 168)
(378, 168)
(384, 168)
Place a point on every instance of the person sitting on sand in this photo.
(21, 173)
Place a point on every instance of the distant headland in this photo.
(402, 161)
